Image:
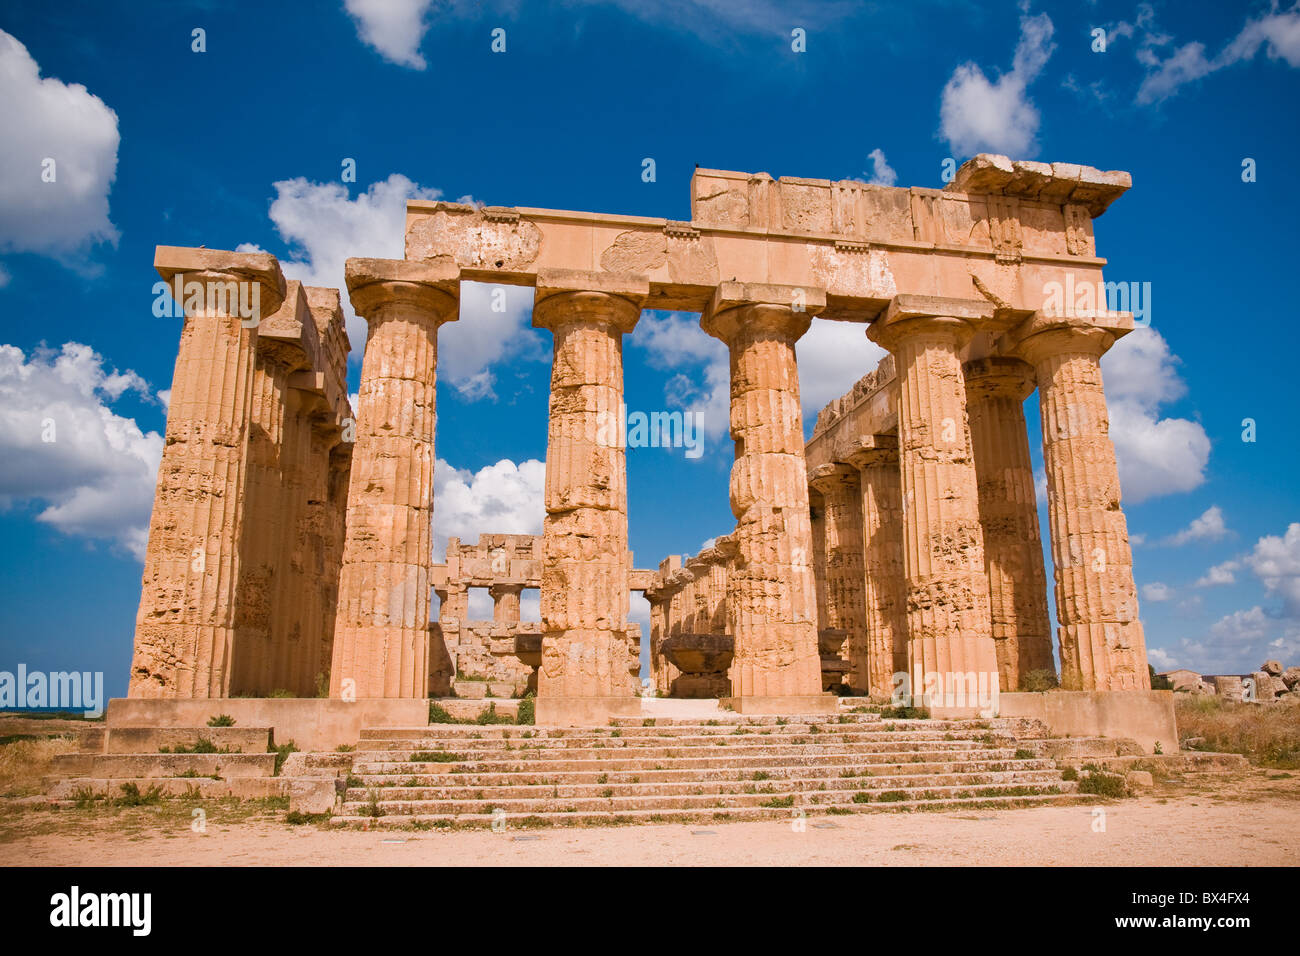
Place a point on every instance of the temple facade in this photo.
(290, 544)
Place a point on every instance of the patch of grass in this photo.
(353, 781)
(282, 752)
(1268, 735)
(281, 693)
(489, 715)
(862, 797)
(438, 714)
(297, 817)
(371, 807)
(527, 711)
(435, 756)
(201, 746)
(1037, 681)
(1023, 754)
(345, 748)
(221, 720)
(905, 713)
(1103, 784)
(892, 796)
(1069, 773)
(779, 802)
(132, 797)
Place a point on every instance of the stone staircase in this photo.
(237, 762)
(691, 768)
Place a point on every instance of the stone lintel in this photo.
(825, 476)
(259, 267)
(291, 331)
(640, 579)
(994, 174)
(872, 450)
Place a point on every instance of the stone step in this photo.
(144, 740)
(775, 798)
(530, 776)
(117, 766)
(914, 750)
(798, 757)
(435, 741)
(529, 821)
(246, 788)
(401, 793)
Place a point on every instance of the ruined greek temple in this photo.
(290, 542)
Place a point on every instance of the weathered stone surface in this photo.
(948, 612)
(771, 600)
(381, 636)
(1013, 552)
(586, 651)
(1101, 641)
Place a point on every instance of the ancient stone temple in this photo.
(290, 545)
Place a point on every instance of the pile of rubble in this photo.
(1269, 683)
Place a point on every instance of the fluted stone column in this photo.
(885, 591)
(585, 674)
(771, 594)
(292, 621)
(381, 634)
(841, 492)
(185, 628)
(817, 522)
(996, 389)
(1101, 641)
(950, 642)
(505, 602)
(260, 549)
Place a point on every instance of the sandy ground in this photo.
(1245, 820)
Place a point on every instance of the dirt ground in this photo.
(1250, 819)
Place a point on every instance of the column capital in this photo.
(498, 589)
(432, 288)
(1042, 336)
(832, 476)
(909, 315)
(999, 376)
(784, 309)
(214, 268)
(565, 296)
(871, 450)
(289, 335)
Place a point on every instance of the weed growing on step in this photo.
(221, 720)
(434, 756)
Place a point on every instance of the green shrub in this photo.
(527, 710)
(281, 692)
(1023, 754)
(438, 714)
(1037, 681)
(435, 756)
(132, 797)
(221, 720)
(1103, 784)
(489, 715)
(281, 754)
(1069, 773)
(297, 817)
(905, 713)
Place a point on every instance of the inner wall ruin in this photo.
(290, 544)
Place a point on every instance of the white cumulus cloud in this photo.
(504, 498)
(394, 28)
(1210, 526)
(977, 114)
(61, 445)
(1156, 456)
(47, 120)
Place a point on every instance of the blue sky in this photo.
(243, 144)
